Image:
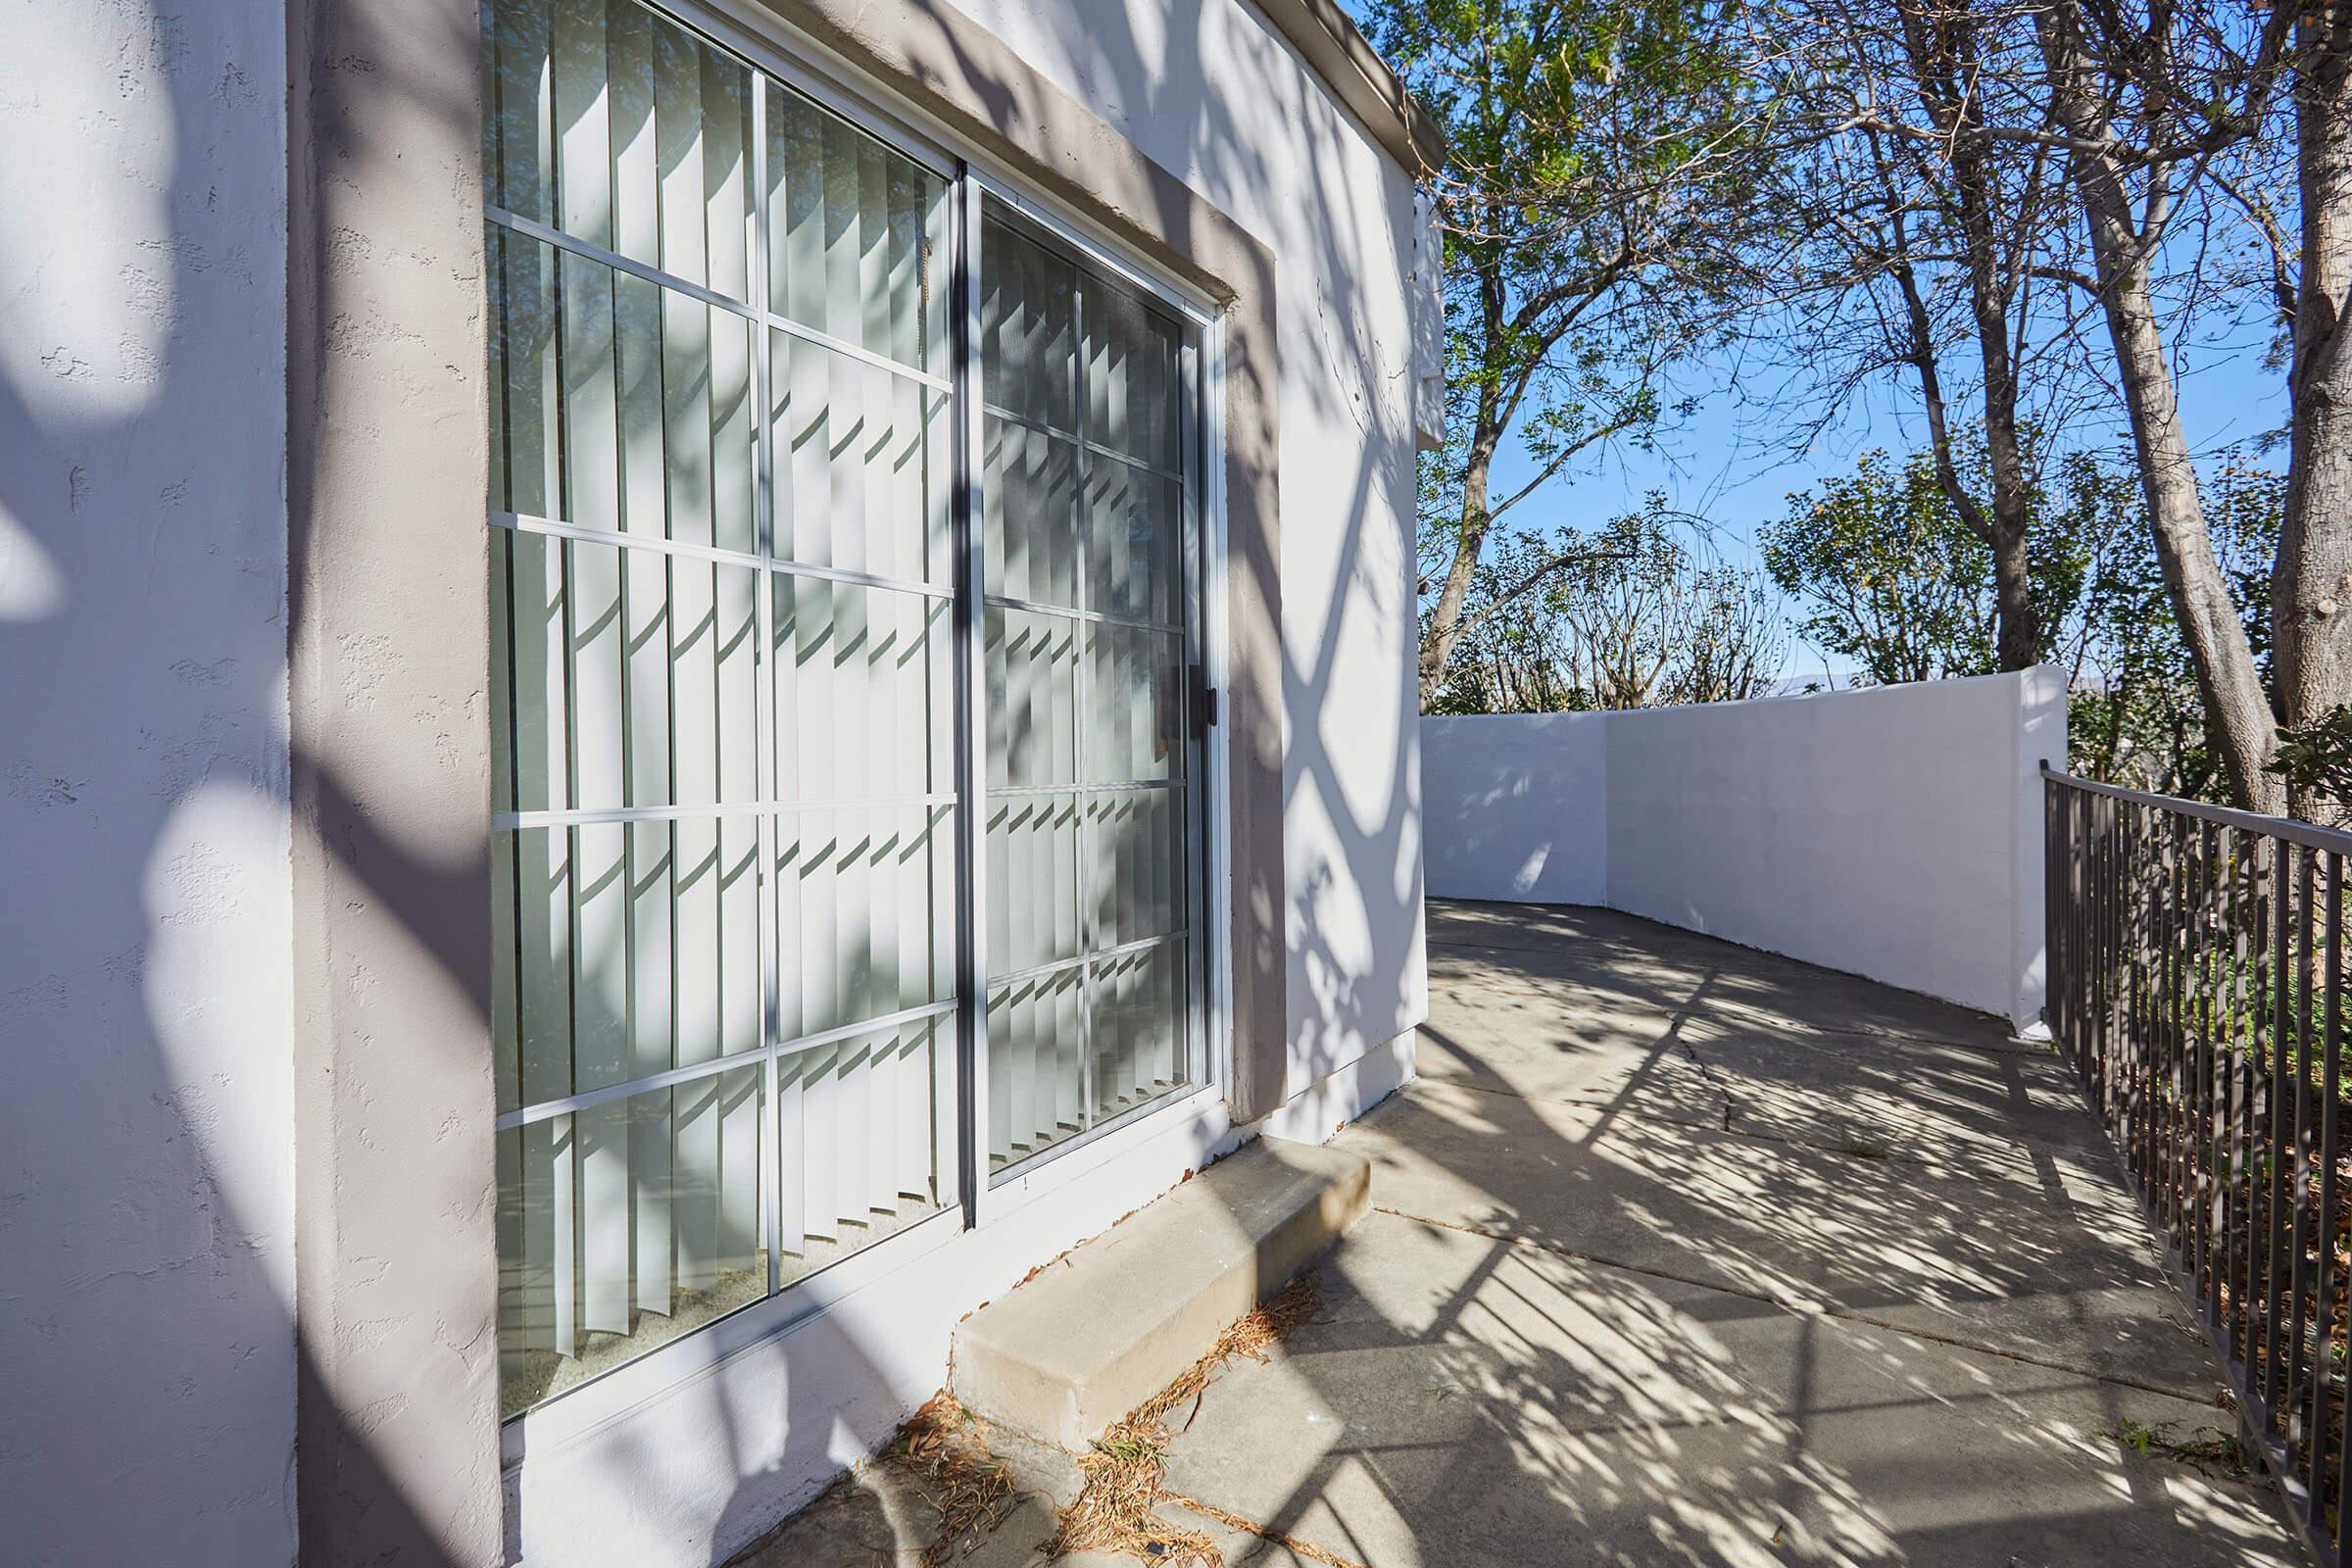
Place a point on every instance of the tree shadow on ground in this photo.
(1578, 1330)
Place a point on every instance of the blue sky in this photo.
(1731, 461)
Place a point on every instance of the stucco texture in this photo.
(147, 1346)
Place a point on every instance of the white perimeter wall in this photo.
(147, 1353)
(1893, 833)
(1517, 807)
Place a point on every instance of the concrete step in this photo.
(1078, 1346)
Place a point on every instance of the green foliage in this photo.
(2135, 714)
(2202, 1447)
(1885, 574)
(2316, 759)
(1597, 180)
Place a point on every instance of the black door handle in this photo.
(1203, 700)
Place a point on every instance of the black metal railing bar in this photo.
(2197, 986)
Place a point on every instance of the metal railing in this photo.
(2197, 986)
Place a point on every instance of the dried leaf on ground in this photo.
(1126, 1469)
(942, 1444)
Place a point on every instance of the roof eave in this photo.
(1366, 83)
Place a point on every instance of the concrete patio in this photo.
(1680, 1253)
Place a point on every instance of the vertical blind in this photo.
(725, 594)
(1088, 801)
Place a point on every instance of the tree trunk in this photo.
(1446, 618)
(2017, 639)
(2311, 602)
(2237, 713)
(1945, 55)
(2017, 633)
(1470, 534)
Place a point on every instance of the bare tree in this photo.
(2148, 107)
(1598, 173)
(1640, 613)
(1911, 206)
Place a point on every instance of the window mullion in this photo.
(971, 706)
(763, 689)
(1082, 639)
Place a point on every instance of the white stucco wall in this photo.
(1220, 99)
(1893, 832)
(147, 1354)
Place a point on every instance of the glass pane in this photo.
(1131, 374)
(1035, 1066)
(635, 949)
(1032, 880)
(861, 470)
(710, 929)
(1032, 697)
(630, 675)
(625, 1225)
(622, 406)
(1140, 1033)
(1028, 328)
(865, 914)
(864, 691)
(864, 1123)
(616, 125)
(1134, 862)
(1135, 704)
(857, 236)
(1135, 522)
(1084, 508)
(1030, 532)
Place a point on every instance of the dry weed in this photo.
(941, 1444)
(1126, 1470)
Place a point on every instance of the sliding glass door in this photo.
(746, 566)
(1088, 592)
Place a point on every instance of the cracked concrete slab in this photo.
(2047, 1259)
(1466, 1400)
(1897, 1313)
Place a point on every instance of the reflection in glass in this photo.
(650, 125)
(1030, 486)
(1139, 1026)
(1028, 327)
